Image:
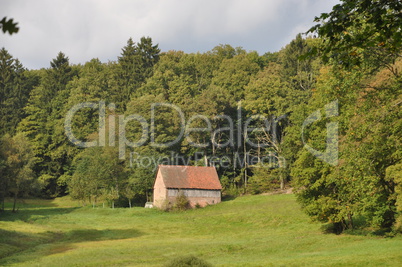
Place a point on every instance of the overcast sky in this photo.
(86, 29)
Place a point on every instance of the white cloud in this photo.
(88, 29)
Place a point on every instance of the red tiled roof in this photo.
(190, 177)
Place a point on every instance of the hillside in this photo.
(247, 231)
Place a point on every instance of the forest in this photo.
(322, 115)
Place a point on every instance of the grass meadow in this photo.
(247, 231)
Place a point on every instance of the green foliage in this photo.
(98, 174)
(234, 74)
(9, 26)
(266, 93)
(43, 119)
(16, 162)
(365, 34)
(282, 89)
(300, 71)
(15, 86)
(135, 65)
(264, 180)
(369, 135)
(394, 175)
(355, 31)
(227, 51)
(140, 179)
(181, 202)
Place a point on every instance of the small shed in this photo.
(200, 185)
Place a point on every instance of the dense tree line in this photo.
(225, 85)
(265, 121)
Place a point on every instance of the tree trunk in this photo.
(245, 159)
(282, 179)
(2, 196)
(2, 202)
(213, 144)
(339, 227)
(15, 201)
(350, 218)
(129, 202)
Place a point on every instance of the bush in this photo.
(233, 191)
(166, 206)
(181, 203)
(264, 180)
(184, 261)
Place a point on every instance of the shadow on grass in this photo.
(360, 228)
(85, 235)
(228, 198)
(379, 232)
(23, 203)
(15, 243)
(30, 215)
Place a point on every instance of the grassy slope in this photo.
(247, 231)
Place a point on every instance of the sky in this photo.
(86, 29)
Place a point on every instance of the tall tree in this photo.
(3, 173)
(266, 99)
(19, 177)
(150, 54)
(98, 174)
(15, 86)
(129, 72)
(235, 73)
(135, 65)
(359, 38)
(43, 112)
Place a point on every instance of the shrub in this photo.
(264, 180)
(181, 203)
(166, 206)
(191, 260)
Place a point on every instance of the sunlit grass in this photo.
(247, 231)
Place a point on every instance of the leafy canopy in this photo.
(357, 26)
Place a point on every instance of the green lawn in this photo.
(246, 231)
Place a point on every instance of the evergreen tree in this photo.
(43, 112)
(149, 56)
(135, 65)
(15, 86)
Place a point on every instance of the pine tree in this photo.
(43, 112)
(15, 86)
(135, 65)
(149, 56)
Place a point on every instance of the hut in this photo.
(200, 185)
